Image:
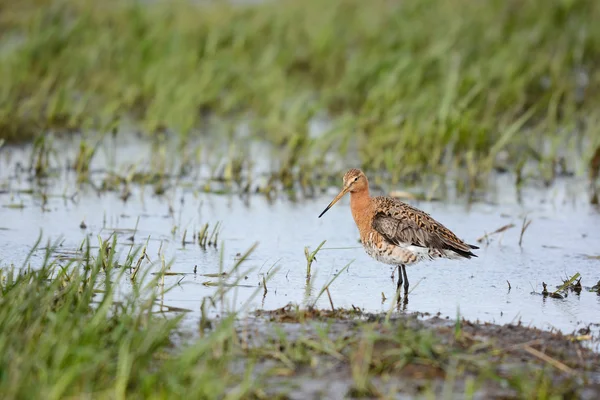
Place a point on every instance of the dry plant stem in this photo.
(330, 300)
(555, 363)
(524, 227)
(265, 290)
(499, 230)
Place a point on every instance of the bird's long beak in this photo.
(339, 196)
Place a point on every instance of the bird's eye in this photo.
(355, 179)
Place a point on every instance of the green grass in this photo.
(68, 331)
(65, 332)
(413, 86)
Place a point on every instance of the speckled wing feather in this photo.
(402, 224)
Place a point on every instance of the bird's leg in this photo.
(402, 302)
(400, 267)
(405, 279)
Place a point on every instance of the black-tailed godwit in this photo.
(396, 233)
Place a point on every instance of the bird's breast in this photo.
(381, 250)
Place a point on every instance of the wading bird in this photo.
(396, 233)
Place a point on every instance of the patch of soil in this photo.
(467, 359)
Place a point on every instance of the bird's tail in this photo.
(466, 253)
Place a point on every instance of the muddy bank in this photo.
(343, 354)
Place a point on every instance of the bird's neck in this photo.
(360, 204)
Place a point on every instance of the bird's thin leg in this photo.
(400, 267)
(402, 302)
(405, 279)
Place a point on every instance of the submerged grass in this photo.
(422, 85)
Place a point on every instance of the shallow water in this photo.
(561, 241)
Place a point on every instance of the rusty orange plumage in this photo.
(396, 233)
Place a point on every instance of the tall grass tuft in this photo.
(66, 332)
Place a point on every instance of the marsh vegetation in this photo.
(431, 85)
(176, 154)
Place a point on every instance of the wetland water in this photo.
(561, 241)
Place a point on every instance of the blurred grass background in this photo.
(410, 86)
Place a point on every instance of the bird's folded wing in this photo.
(405, 232)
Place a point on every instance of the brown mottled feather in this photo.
(400, 223)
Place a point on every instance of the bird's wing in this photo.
(404, 231)
(400, 223)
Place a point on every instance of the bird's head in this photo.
(354, 181)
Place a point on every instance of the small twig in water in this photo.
(567, 284)
(203, 236)
(577, 286)
(524, 227)
(509, 287)
(330, 301)
(554, 295)
(331, 281)
(499, 230)
(214, 236)
(265, 290)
